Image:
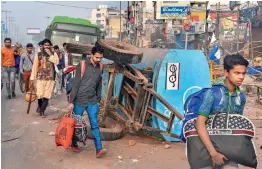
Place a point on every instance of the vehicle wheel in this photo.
(121, 52)
(113, 130)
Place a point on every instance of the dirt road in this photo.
(34, 148)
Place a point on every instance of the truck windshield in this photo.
(58, 38)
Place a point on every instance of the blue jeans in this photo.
(9, 78)
(92, 111)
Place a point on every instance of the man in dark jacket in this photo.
(86, 94)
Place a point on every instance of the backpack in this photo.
(193, 103)
(70, 79)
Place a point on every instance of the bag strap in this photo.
(82, 68)
(30, 59)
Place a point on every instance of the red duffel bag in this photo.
(64, 132)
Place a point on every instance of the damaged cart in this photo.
(144, 89)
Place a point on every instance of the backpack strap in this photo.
(101, 67)
(82, 68)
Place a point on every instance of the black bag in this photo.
(80, 132)
(230, 134)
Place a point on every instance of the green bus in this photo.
(64, 29)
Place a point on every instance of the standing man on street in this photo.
(68, 60)
(26, 64)
(44, 74)
(86, 95)
(8, 65)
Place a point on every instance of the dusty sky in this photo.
(29, 14)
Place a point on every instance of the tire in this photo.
(113, 131)
(121, 52)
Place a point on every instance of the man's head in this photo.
(7, 42)
(97, 54)
(47, 44)
(29, 48)
(56, 48)
(64, 46)
(235, 68)
(40, 44)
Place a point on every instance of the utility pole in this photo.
(206, 33)
(120, 36)
(217, 20)
(10, 26)
(6, 16)
(250, 42)
(238, 12)
(47, 20)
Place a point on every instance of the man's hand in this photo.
(70, 107)
(48, 52)
(218, 158)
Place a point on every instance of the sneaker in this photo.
(75, 149)
(13, 95)
(38, 110)
(101, 153)
(9, 97)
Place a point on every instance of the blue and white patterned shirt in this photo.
(231, 103)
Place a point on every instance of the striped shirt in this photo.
(25, 63)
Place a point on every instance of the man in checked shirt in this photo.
(26, 64)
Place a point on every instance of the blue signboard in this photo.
(174, 10)
(3, 29)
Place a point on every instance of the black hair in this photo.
(6, 39)
(232, 60)
(29, 45)
(40, 43)
(46, 41)
(97, 49)
(64, 44)
(56, 47)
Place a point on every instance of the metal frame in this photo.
(135, 103)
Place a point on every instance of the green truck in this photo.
(64, 29)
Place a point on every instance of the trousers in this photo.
(92, 111)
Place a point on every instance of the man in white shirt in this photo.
(68, 60)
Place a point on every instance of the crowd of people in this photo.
(17, 60)
(42, 72)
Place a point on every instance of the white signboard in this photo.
(172, 76)
(33, 31)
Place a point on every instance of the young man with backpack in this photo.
(224, 96)
(86, 95)
(26, 64)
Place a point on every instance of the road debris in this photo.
(10, 139)
(134, 160)
(51, 133)
(131, 142)
(35, 122)
(120, 157)
(167, 146)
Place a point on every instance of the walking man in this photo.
(26, 64)
(8, 65)
(44, 74)
(86, 95)
(68, 60)
(235, 70)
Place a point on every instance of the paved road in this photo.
(35, 149)
(22, 153)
